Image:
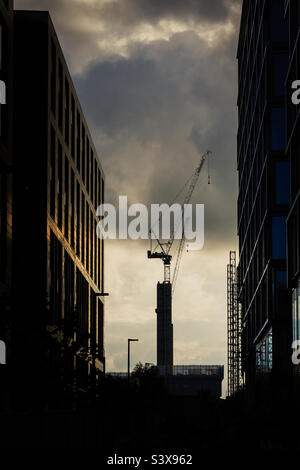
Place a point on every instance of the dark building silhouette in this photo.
(189, 380)
(58, 262)
(264, 190)
(293, 151)
(6, 70)
(164, 328)
(194, 380)
(6, 56)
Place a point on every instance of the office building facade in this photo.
(264, 190)
(58, 340)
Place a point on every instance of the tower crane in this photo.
(164, 248)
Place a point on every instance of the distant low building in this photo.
(190, 380)
(193, 380)
(120, 375)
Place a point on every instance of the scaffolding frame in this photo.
(198, 370)
(234, 328)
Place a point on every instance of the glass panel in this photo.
(264, 354)
(296, 314)
(295, 335)
(281, 63)
(281, 279)
(282, 183)
(278, 238)
(279, 27)
(278, 129)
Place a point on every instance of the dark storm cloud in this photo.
(100, 29)
(150, 11)
(178, 95)
(165, 82)
(155, 110)
(156, 10)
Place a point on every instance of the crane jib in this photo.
(164, 254)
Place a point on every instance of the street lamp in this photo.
(128, 370)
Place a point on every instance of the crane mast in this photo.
(165, 290)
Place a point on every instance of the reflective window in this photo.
(279, 26)
(282, 183)
(53, 77)
(281, 279)
(296, 313)
(60, 95)
(264, 354)
(278, 237)
(278, 128)
(281, 62)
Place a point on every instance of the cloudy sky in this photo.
(157, 80)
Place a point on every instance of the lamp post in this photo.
(128, 370)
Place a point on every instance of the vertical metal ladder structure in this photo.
(234, 329)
